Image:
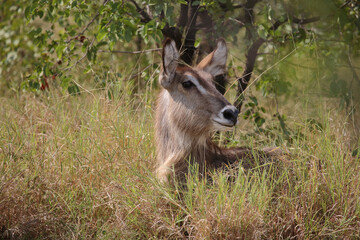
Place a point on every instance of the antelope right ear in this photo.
(215, 62)
(170, 57)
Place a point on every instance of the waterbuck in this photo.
(189, 109)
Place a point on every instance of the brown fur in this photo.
(184, 117)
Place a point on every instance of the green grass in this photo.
(81, 167)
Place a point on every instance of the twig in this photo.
(145, 15)
(300, 66)
(296, 20)
(92, 20)
(79, 60)
(138, 73)
(238, 6)
(343, 65)
(345, 4)
(282, 59)
(352, 68)
(237, 21)
(84, 89)
(305, 20)
(262, 73)
(88, 25)
(132, 52)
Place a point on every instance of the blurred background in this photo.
(286, 58)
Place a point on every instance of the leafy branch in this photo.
(87, 26)
(252, 53)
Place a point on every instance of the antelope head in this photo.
(193, 104)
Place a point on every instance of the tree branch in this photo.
(252, 53)
(243, 81)
(182, 21)
(132, 52)
(225, 7)
(345, 4)
(190, 37)
(175, 32)
(304, 21)
(355, 75)
(142, 70)
(145, 16)
(249, 18)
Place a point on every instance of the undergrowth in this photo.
(81, 167)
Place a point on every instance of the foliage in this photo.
(50, 44)
(59, 34)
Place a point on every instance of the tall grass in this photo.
(81, 167)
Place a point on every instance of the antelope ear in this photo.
(215, 62)
(170, 57)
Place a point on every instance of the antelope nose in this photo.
(231, 114)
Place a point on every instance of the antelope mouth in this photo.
(227, 124)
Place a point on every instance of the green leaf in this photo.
(252, 105)
(247, 114)
(35, 32)
(111, 45)
(270, 13)
(73, 89)
(128, 34)
(302, 34)
(110, 94)
(72, 45)
(65, 81)
(59, 50)
(87, 69)
(46, 69)
(259, 121)
(254, 100)
(195, 3)
(169, 11)
(262, 31)
(197, 43)
(102, 43)
(85, 45)
(101, 34)
(144, 33)
(40, 13)
(83, 6)
(27, 12)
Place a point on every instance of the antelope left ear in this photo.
(215, 62)
(170, 57)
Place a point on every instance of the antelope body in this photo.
(189, 109)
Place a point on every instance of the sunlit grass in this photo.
(81, 167)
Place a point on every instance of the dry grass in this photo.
(81, 168)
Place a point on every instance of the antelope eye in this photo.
(187, 84)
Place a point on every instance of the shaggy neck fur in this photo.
(178, 146)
